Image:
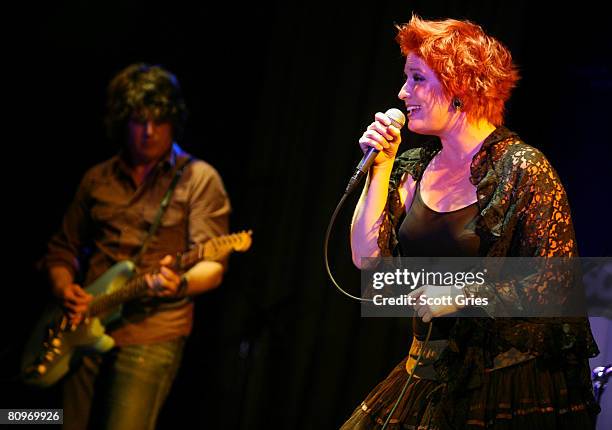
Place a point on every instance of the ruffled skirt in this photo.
(526, 396)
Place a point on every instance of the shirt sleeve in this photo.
(65, 246)
(537, 225)
(209, 205)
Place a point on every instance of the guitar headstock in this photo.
(219, 247)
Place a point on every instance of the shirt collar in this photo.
(480, 161)
(499, 134)
(166, 164)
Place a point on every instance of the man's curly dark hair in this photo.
(144, 92)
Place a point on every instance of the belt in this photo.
(431, 352)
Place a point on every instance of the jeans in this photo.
(122, 389)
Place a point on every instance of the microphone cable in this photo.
(398, 120)
(331, 276)
(357, 177)
(410, 375)
(325, 247)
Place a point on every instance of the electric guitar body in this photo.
(53, 344)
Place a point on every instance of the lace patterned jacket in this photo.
(523, 212)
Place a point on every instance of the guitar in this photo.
(53, 345)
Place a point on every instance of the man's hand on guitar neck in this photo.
(165, 282)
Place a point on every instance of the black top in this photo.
(427, 233)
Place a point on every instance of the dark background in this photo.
(279, 94)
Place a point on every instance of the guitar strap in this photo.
(162, 209)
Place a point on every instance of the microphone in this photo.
(398, 120)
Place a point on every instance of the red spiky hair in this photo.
(469, 63)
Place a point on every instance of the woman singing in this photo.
(482, 193)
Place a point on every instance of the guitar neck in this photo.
(137, 287)
(213, 250)
(133, 289)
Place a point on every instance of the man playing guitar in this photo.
(110, 220)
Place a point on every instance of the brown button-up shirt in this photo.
(110, 217)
